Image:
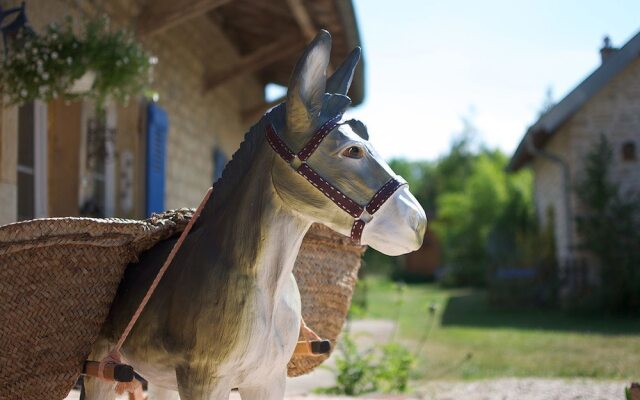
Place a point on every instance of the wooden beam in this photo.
(252, 114)
(303, 19)
(255, 61)
(308, 28)
(158, 16)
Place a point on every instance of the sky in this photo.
(431, 63)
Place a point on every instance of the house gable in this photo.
(614, 111)
(549, 123)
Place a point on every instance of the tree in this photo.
(419, 176)
(455, 167)
(490, 205)
(482, 215)
(609, 228)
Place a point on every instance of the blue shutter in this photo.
(157, 131)
(219, 161)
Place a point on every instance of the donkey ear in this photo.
(340, 81)
(307, 84)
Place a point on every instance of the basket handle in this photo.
(312, 347)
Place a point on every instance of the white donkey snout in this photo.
(398, 227)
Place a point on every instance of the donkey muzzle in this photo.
(399, 225)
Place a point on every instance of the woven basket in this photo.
(58, 277)
(326, 271)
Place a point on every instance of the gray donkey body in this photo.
(227, 313)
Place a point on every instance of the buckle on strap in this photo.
(379, 198)
(296, 163)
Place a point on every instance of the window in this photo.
(97, 191)
(629, 151)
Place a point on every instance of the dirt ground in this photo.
(496, 389)
(524, 389)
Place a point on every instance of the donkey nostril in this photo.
(419, 223)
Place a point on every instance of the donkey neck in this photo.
(253, 231)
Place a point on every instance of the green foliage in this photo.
(392, 373)
(487, 221)
(377, 263)
(609, 227)
(632, 392)
(355, 371)
(483, 216)
(465, 220)
(383, 369)
(46, 66)
(358, 306)
(452, 170)
(419, 176)
(428, 179)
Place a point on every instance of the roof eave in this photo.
(552, 120)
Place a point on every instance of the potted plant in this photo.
(100, 63)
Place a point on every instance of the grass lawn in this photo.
(470, 340)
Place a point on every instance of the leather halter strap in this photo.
(361, 214)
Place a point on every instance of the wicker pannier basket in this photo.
(58, 277)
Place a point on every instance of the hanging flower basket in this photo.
(83, 84)
(99, 63)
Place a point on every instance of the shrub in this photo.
(385, 369)
(392, 373)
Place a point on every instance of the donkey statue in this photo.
(227, 313)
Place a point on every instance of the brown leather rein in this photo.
(361, 214)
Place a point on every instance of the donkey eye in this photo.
(353, 152)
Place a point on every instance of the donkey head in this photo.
(329, 172)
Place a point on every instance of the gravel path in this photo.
(524, 389)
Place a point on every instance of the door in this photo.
(32, 161)
(98, 166)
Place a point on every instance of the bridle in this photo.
(361, 214)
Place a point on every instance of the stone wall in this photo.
(198, 121)
(614, 112)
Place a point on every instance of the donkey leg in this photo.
(271, 389)
(156, 392)
(195, 384)
(94, 388)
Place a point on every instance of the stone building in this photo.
(606, 103)
(215, 58)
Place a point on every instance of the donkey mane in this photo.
(243, 158)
